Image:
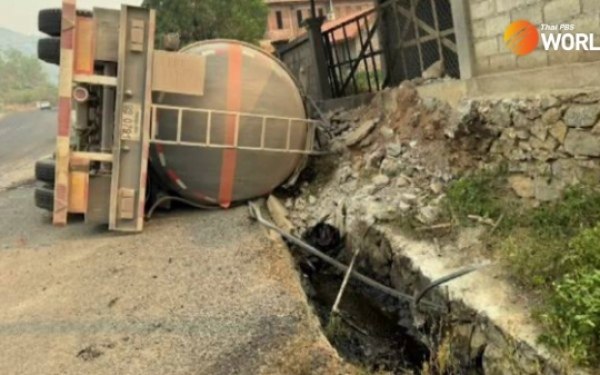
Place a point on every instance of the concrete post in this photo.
(389, 34)
(315, 38)
(461, 17)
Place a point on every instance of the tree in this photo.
(22, 79)
(197, 20)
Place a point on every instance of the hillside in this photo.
(27, 45)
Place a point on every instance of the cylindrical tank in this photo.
(244, 87)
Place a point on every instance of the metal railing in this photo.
(353, 55)
(307, 127)
(394, 41)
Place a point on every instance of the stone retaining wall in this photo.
(549, 143)
(394, 160)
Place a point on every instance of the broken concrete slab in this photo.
(359, 134)
(279, 214)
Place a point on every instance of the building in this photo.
(489, 19)
(465, 40)
(286, 16)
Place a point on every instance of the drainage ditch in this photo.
(372, 330)
(382, 325)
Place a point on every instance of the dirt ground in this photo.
(196, 293)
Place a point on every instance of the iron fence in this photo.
(394, 41)
(354, 55)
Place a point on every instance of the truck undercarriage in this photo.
(112, 157)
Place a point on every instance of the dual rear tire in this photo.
(44, 194)
(50, 23)
(50, 20)
(48, 50)
(44, 198)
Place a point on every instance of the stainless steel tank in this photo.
(242, 138)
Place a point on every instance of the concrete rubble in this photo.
(399, 153)
(394, 161)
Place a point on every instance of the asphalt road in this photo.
(24, 138)
(197, 293)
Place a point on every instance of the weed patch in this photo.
(476, 194)
(578, 209)
(553, 250)
(572, 317)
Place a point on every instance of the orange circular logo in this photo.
(521, 37)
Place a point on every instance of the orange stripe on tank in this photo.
(234, 104)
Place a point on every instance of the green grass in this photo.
(476, 194)
(552, 250)
(571, 316)
(362, 82)
(537, 243)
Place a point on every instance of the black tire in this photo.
(49, 50)
(44, 198)
(44, 170)
(50, 20)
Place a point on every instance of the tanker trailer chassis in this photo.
(108, 116)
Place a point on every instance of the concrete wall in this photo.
(489, 18)
(299, 60)
(557, 79)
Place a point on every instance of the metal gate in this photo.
(354, 55)
(396, 41)
(418, 34)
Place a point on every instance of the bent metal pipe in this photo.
(255, 213)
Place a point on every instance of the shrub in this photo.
(572, 317)
(22, 79)
(584, 250)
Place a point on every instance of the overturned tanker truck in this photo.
(215, 123)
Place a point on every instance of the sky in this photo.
(21, 15)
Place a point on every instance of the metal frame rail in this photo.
(289, 122)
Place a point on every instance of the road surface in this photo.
(197, 293)
(24, 138)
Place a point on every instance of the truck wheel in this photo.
(44, 170)
(44, 198)
(49, 50)
(49, 21)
